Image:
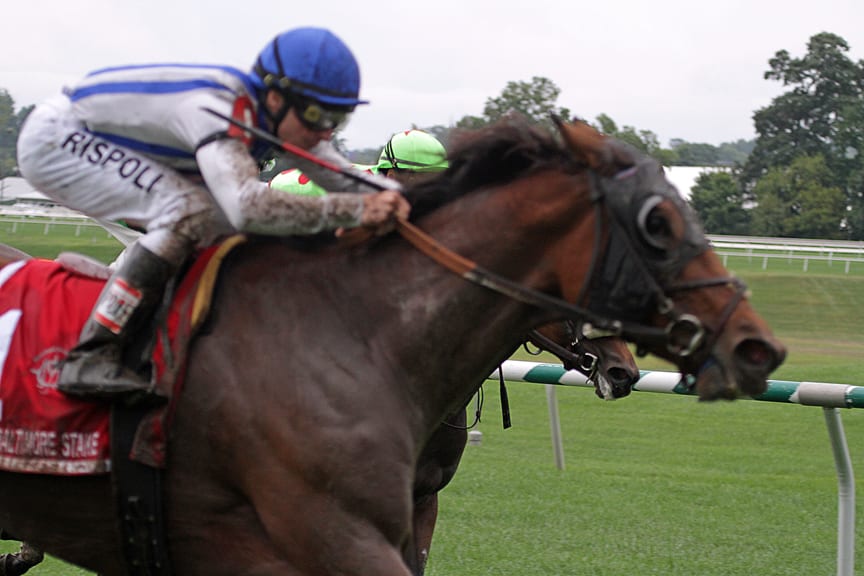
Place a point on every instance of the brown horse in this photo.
(304, 463)
(606, 361)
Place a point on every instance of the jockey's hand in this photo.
(381, 210)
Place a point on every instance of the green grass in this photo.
(754, 264)
(654, 484)
(31, 237)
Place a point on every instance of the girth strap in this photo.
(138, 492)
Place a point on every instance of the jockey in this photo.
(412, 155)
(132, 143)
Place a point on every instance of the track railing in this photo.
(831, 397)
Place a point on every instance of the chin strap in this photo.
(277, 118)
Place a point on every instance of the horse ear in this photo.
(601, 153)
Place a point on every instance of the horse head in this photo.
(655, 279)
(605, 361)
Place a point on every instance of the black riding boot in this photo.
(95, 368)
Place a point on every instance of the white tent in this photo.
(19, 190)
(684, 177)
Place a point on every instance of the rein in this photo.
(476, 274)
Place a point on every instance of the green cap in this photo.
(413, 150)
(295, 182)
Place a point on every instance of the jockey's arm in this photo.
(334, 181)
(231, 175)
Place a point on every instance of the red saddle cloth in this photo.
(42, 309)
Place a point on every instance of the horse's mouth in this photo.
(614, 383)
(744, 373)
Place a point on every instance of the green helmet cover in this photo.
(413, 150)
(294, 181)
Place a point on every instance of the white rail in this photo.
(829, 396)
(789, 245)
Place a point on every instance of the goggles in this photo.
(318, 117)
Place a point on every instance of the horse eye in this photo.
(654, 225)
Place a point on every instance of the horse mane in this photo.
(499, 153)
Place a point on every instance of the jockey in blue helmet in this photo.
(135, 143)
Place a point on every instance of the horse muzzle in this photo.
(742, 372)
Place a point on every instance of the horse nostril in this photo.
(621, 377)
(759, 355)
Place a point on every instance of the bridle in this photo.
(623, 199)
(573, 354)
(633, 258)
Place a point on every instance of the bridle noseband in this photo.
(573, 354)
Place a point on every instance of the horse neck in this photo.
(431, 336)
(520, 231)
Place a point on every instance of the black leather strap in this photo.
(138, 491)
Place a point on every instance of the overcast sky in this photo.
(680, 68)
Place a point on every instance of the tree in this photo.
(644, 140)
(535, 99)
(10, 125)
(718, 199)
(799, 201)
(8, 134)
(702, 154)
(735, 153)
(805, 120)
(820, 115)
(694, 153)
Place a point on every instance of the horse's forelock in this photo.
(495, 154)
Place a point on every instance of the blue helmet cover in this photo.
(316, 64)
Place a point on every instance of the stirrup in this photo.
(97, 374)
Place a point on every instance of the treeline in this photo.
(537, 99)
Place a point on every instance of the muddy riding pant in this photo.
(109, 181)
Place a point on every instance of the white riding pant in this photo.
(107, 181)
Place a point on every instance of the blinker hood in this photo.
(632, 274)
